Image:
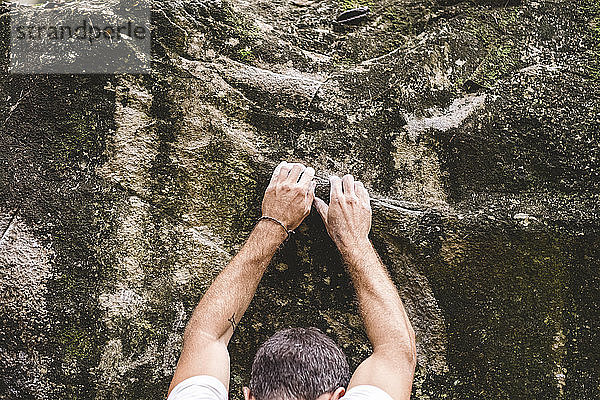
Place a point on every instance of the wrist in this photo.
(271, 231)
(354, 249)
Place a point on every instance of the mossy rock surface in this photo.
(475, 125)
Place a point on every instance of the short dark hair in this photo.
(298, 364)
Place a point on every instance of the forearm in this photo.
(383, 313)
(224, 303)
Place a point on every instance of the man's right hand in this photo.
(348, 215)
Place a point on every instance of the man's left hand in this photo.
(290, 194)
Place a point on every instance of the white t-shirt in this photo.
(205, 387)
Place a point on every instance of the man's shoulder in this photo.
(366, 392)
(201, 387)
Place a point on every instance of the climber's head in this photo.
(298, 364)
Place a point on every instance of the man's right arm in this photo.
(348, 221)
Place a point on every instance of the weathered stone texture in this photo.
(475, 125)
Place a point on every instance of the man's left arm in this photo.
(288, 199)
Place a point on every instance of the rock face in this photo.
(475, 125)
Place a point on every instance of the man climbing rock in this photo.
(301, 363)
